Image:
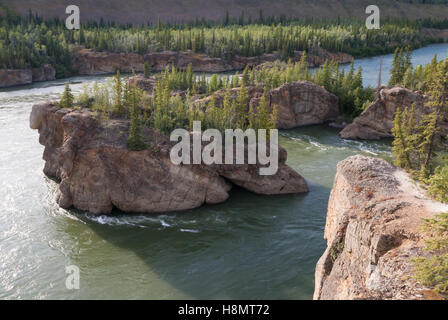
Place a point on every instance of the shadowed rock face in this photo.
(98, 172)
(373, 230)
(299, 103)
(44, 73)
(16, 77)
(377, 121)
(9, 78)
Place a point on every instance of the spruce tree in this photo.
(67, 98)
(400, 147)
(147, 70)
(118, 108)
(135, 139)
(242, 106)
(396, 74)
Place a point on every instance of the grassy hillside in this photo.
(142, 11)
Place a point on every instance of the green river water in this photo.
(250, 247)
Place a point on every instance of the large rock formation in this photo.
(44, 73)
(299, 103)
(377, 121)
(16, 77)
(98, 172)
(89, 62)
(373, 230)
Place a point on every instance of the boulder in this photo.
(299, 103)
(373, 230)
(147, 84)
(377, 121)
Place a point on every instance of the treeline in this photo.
(253, 40)
(347, 86)
(25, 43)
(32, 41)
(166, 111)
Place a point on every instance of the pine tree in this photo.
(135, 139)
(303, 67)
(262, 120)
(242, 106)
(227, 110)
(400, 147)
(118, 108)
(126, 95)
(67, 98)
(429, 130)
(396, 72)
(438, 91)
(147, 70)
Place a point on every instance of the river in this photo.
(250, 247)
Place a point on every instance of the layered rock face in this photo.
(89, 62)
(377, 121)
(9, 78)
(299, 103)
(44, 73)
(98, 172)
(15, 77)
(373, 230)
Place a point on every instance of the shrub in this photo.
(433, 270)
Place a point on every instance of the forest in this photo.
(32, 41)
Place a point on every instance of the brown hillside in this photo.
(142, 11)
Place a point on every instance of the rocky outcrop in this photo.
(147, 84)
(299, 103)
(16, 77)
(303, 103)
(98, 172)
(377, 121)
(373, 230)
(44, 73)
(89, 62)
(438, 34)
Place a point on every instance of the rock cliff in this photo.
(377, 121)
(299, 103)
(16, 77)
(89, 62)
(373, 231)
(97, 172)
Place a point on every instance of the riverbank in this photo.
(89, 62)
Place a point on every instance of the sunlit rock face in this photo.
(377, 121)
(373, 230)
